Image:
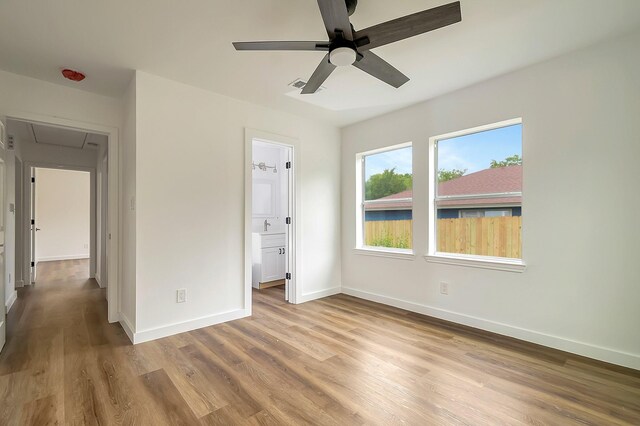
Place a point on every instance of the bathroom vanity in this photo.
(269, 255)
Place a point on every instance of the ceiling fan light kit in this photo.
(342, 56)
(347, 46)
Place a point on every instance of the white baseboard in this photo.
(127, 326)
(64, 257)
(319, 294)
(585, 349)
(10, 301)
(96, 276)
(181, 327)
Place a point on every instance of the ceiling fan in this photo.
(346, 46)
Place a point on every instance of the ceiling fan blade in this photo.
(336, 17)
(408, 26)
(379, 68)
(321, 73)
(281, 45)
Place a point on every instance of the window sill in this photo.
(404, 254)
(484, 262)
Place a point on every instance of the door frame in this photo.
(93, 211)
(295, 208)
(113, 218)
(19, 218)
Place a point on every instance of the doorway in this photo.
(63, 219)
(57, 143)
(270, 249)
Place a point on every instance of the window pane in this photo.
(481, 163)
(388, 183)
(479, 193)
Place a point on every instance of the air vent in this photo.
(298, 83)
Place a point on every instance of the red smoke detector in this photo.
(72, 75)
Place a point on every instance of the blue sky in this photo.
(475, 151)
(472, 152)
(398, 158)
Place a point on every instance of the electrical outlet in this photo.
(444, 288)
(181, 295)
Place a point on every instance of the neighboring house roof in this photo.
(501, 179)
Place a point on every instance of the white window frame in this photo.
(361, 248)
(486, 262)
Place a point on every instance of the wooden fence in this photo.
(389, 233)
(486, 236)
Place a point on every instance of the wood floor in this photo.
(336, 361)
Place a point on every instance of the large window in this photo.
(477, 192)
(385, 196)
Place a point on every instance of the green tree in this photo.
(445, 175)
(514, 160)
(386, 183)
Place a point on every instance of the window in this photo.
(385, 199)
(476, 193)
(485, 213)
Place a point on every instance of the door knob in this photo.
(37, 229)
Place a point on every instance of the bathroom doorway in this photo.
(271, 221)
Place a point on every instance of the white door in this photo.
(34, 263)
(3, 317)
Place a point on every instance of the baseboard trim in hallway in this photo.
(65, 257)
(12, 299)
(127, 327)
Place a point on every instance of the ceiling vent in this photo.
(298, 83)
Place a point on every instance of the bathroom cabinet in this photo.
(269, 258)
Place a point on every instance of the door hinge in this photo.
(287, 221)
(288, 275)
(33, 179)
(288, 164)
(33, 264)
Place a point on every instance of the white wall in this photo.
(11, 224)
(127, 294)
(57, 155)
(62, 214)
(101, 217)
(190, 203)
(581, 148)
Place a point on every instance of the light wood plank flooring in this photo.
(336, 361)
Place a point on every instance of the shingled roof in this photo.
(501, 179)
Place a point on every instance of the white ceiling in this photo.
(190, 41)
(54, 135)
